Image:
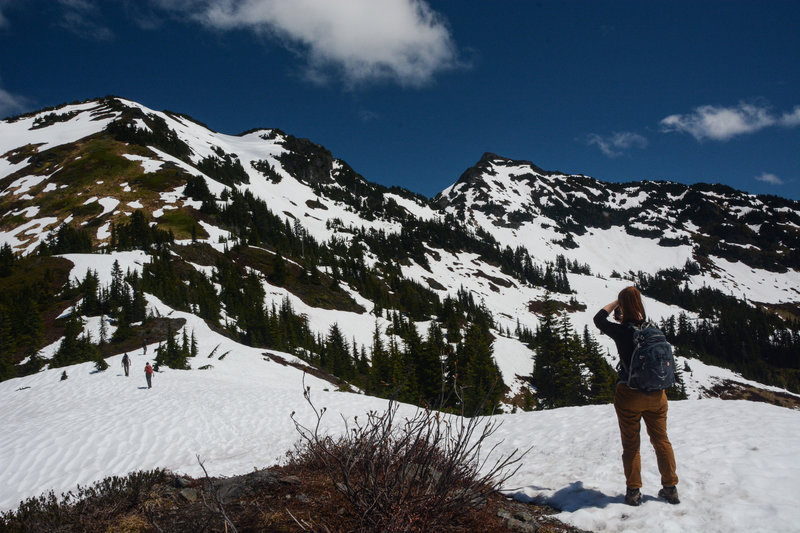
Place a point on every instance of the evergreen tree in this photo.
(278, 275)
(429, 366)
(381, 372)
(548, 351)
(90, 287)
(124, 329)
(480, 383)
(74, 347)
(193, 346)
(7, 260)
(7, 346)
(171, 354)
(103, 330)
(336, 354)
(602, 380)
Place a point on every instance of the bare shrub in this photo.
(414, 474)
(87, 508)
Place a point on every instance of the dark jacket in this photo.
(622, 335)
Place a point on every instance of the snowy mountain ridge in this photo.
(519, 202)
(59, 166)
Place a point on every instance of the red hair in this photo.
(630, 303)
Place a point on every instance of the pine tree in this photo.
(278, 275)
(90, 288)
(336, 354)
(103, 330)
(74, 347)
(602, 381)
(193, 346)
(547, 348)
(117, 286)
(124, 329)
(429, 366)
(170, 354)
(7, 260)
(481, 385)
(381, 372)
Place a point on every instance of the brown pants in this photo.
(631, 406)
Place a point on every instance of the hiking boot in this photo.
(633, 497)
(670, 494)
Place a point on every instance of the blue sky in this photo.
(412, 93)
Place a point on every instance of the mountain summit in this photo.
(519, 202)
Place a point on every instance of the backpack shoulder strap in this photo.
(635, 330)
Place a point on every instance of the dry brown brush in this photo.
(419, 473)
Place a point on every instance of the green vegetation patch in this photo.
(200, 253)
(97, 159)
(18, 155)
(54, 271)
(183, 223)
(88, 210)
(61, 205)
(13, 222)
(166, 178)
(315, 290)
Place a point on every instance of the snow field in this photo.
(737, 464)
(736, 460)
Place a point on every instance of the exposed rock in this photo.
(182, 482)
(189, 494)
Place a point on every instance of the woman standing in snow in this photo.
(632, 405)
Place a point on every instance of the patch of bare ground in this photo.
(153, 330)
(290, 498)
(731, 390)
(787, 310)
(312, 370)
(537, 306)
(499, 281)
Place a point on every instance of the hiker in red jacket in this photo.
(148, 373)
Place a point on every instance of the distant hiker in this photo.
(632, 405)
(144, 346)
(148, 373)
(126, 364)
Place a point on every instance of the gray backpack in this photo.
(652, 364)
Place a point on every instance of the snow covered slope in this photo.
(41, 154)
(235, 416)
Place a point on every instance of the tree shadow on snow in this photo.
(575, 497)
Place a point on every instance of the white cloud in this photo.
(617, 143)
(722, 123)
(368, 116)
(792, 118)
(404, 41)
(772, 179)
(81, 17)
(3, 19)
(11, 103)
